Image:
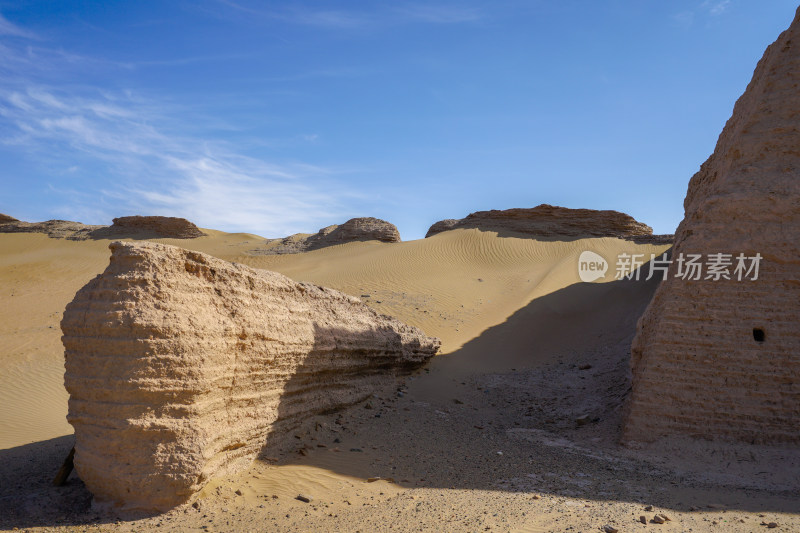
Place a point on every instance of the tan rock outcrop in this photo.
(179, 366)
(5, 219)
(56, 229)
(124, 227)
(549, 221)
(168, 227)
(721, 359)
(354, 230)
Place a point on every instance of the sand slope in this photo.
(454, 286)
(517, 329)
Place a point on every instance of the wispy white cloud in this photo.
(708, 8)
(324, 18)
(716, 7)
(440, 14)
(684, 19)
(7, 28)
(121, 153)
(429, 12)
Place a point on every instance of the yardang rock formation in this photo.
(549, 221)
(179, 365)
(354, 230)
(173, 227)
(721, 359)
(123, 227)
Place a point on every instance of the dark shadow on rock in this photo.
(340, 371)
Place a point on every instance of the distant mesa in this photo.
(720, 358)
(171, 227)
(137, 227)
(56, 229)
(550, 221)
(354, 230)
(180, 366)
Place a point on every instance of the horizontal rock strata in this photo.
(169, 227)
(178, 365)
(124, 227)
(720, 359)
(56, 229)
(549, 221)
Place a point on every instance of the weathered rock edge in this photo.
(178, 364)
(721, 359)
(137, 226)
(354, 230)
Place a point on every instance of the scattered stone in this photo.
(582, 420)
(772, 525)
(238, 492)
(648, 508)
(658, 520)
(304, 499)
(585, 367)
(608, 528)
(643, 519)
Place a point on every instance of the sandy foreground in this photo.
(513, 428)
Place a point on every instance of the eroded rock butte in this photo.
(721, 358)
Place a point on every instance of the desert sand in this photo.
(513, 428)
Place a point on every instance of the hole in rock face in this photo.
(759, 335)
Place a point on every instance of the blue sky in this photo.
(281, 117)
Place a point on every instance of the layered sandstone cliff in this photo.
(721, 358)
(179, 365)
(549, 221)
(123, 227)
(354, 230)
(171, 227)
(56, 229)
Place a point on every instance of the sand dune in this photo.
(516, 326)
(453, 286)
